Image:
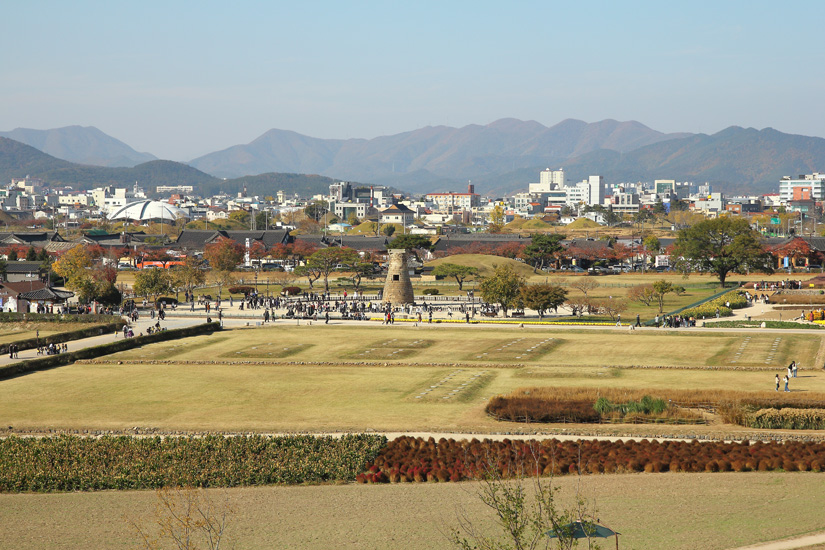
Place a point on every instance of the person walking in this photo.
(794, 369)
(777, 382)
(638, 321)
(619, 320)
(786, 380)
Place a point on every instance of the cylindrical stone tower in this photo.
(398, 288)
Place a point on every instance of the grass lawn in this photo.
(14, 332)
(439, 381)
(652, 511)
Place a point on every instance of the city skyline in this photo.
(180, 83)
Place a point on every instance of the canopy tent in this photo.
(148, 210)
(584, 530)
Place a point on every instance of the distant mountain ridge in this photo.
(499, 158)
(18, 160)
(433, 152)
(83, 145)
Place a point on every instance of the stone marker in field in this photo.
(398, 288)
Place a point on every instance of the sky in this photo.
(183, 79)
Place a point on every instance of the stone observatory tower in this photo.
(398, 288)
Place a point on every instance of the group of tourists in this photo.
(786, 284)
(792, 369)
(51, 349)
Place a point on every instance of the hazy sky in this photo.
(182, 79)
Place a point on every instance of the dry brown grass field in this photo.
(287, 378)
(652, 511)
(388, 378)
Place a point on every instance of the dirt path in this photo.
(801, 542)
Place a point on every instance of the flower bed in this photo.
(70, 463)
(736, 298)
(408, 459)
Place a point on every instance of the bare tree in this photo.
(525, 510)
(585, 285)
(185, 519)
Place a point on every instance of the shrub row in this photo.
(787, 419)
(527, 408)
(97, 330)
(51, 361)
(633, 405)
(71, 463)
(245, 290)
(415, 459)
(14, 317)
(533, 409)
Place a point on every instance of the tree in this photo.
(312, 274)
(525, 509)
(543, 249)
(585, 285)
(659, 206)
(610, 306)
(660, 288)
(326, 260)
(543, 297)
(223, 257)
(152, 282)
(651, 245)
(720, 246)
(316, 210)
(411, 242)
(643, 294)
(502, 288)
(458, 272)
(496, 219)
(75, 266)
(185, 519)
(31, 254)
(189, 275)
(611, 217)
(360, 270)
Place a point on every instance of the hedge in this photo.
(14, 317)
(51, 361)
(72, 463)
(408, 459)
(31, 343)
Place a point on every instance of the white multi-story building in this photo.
(794, 189)
(548, 180)
(625, 203)
(589, 191)
(448, 203)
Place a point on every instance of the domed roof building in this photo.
(148, 210)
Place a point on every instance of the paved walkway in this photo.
(787, 544)
(235, 318)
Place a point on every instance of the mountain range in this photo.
(18, 160)
(499, 158)
(80, 144)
